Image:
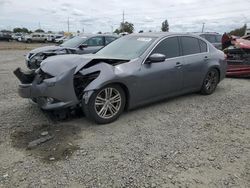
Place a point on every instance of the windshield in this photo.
(74, 42)
(129, 47)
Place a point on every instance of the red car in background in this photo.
(238, 57)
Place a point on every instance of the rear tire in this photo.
(105, 105)
(210, 82)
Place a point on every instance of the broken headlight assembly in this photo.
(41, 75)
(82, 81)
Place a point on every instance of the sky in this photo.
(105, 15)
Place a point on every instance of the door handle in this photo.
(178, 65)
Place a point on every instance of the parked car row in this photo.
(4, 36)
(128, 72)
(33, 37)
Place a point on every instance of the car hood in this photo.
(57, 65)
(46, 49)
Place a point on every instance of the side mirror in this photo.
(83, 46)
(156, 58)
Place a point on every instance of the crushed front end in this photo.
(49, 92)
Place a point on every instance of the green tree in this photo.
(117, 31)
(125, 27)
(239, 31)
(39, 31)
(20, 30)
(165, 26)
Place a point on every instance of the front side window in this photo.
(190, 45)
(169, 47)
(95, 41)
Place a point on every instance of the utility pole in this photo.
(123, 20)
(123, 17)
(112, 28)
(203, 26)
(68, 24)
(39, 25)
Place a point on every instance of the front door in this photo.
(157, 80)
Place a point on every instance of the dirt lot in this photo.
(13, 45)
(188, 141)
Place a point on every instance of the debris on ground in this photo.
(39, 141)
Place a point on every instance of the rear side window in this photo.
(169, 47)
(190, 45)
(203, 46)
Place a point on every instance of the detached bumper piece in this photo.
(26, 77)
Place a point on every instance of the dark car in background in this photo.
(133, 70)
(213, 38)
(5, 36)
(78, 45)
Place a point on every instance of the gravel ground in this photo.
(14, 45)
(188, 141)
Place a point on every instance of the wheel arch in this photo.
(122, 85)
(126, 91)
(218, 69)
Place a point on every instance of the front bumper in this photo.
(53, 93)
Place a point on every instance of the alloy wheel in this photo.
(108, 103)
(211, 81)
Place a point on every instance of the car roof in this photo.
(161, 34)
(96, 35)
(206, 33)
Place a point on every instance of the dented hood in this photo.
(56, 65)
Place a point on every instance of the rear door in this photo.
(195, 53)
(164, 78)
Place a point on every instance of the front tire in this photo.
(210, 82)
(105, 105)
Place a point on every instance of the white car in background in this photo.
(35, 37)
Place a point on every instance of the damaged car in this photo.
(238, 57)
(131, 71)
(78, 45)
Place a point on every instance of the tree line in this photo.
(127, 27)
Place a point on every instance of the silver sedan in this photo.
(130, 72)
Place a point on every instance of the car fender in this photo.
(108, 75)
